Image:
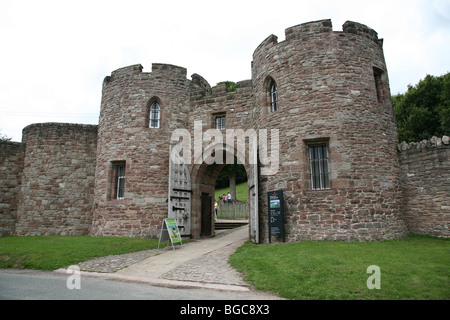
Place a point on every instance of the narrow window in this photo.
(318, 158)
(220, 122)
(155, 115)
(119, 180)
(274, 96)
(378, 74)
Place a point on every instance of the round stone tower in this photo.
(328, 95)
(139, 111)
(57, 179)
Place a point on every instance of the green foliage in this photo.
(414, 268)
(231, 86)
(3, 137)
(424, 110)
(241, 192)
(223, 178)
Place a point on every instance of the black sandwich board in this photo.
(276, 214)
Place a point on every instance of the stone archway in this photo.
(203, 178)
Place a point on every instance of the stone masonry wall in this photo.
(57, 189)
(333, 90)
(124, 135)
(425, 177)
(237, 108)
(327, 94)
(11, 167)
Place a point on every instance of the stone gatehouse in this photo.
(322, 96)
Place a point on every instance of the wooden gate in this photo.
(232, 211)
(253, 195)
(206, 215)
(180, 193)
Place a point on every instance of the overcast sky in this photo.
(54, 55)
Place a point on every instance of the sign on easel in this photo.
(170, 232)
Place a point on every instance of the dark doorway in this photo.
(206, 214)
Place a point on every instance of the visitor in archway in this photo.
(216, 208)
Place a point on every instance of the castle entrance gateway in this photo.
(180, 193)
(204, 176)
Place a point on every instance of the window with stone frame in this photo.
(319, 166)
(378, 75)
(118, 170)
(155, 116)
(273, 92)
(220, 121)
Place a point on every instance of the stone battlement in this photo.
(307, 30)
(158, 70)
(53, 131)
(434, 142)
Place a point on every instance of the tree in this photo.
(231, 86)
(424, 110)
(223, 179)
(230, 176)
(4, 137)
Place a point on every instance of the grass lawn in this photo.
(53, 252)
(414, 268)
(241, 192)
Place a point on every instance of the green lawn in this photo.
(415, 268)
(241, 192)
(53, 252)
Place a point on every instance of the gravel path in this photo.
(111, 264)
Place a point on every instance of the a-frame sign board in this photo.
(169, 231)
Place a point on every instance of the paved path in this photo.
(201, 263)
(203, 260)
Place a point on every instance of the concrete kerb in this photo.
(158, 282)
(151, 270)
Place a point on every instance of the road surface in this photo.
(38, 285)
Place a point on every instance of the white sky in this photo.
(54, 54)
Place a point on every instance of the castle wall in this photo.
(206, 105)
(125, 136)
(425, 177)
(333, 91)
(11, 168)
(236, 106)
(328, 95)
(56, 195)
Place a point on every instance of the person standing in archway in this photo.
(216, 209)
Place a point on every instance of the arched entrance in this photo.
(203, 178)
